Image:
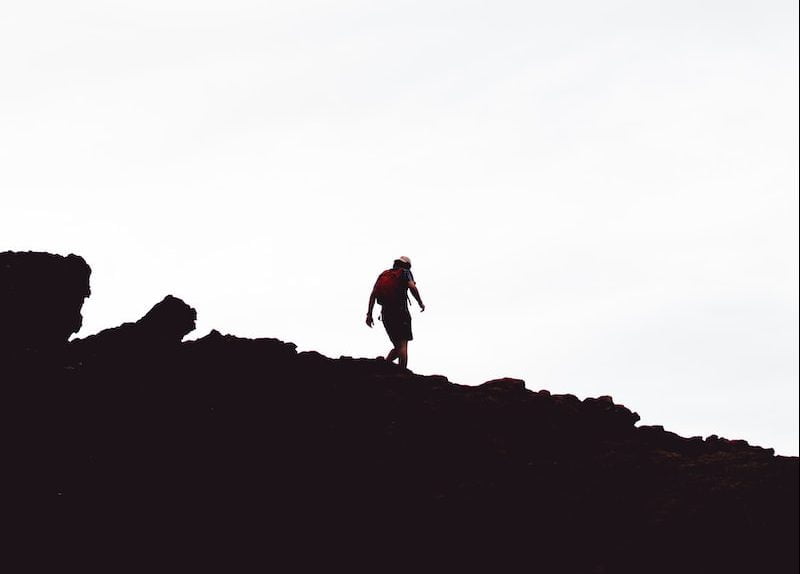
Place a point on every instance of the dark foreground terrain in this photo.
(132, 449)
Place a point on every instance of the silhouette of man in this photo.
(394, 309)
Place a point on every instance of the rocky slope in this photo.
(227, 453)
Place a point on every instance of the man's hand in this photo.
(369, 320)
(415, 292)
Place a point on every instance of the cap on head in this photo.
(402, 263)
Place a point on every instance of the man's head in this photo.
(402, 263)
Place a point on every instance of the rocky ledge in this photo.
(227, 453)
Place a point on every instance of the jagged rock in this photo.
(165, 325)
(611, 416)
(505, 385)
(41, 296)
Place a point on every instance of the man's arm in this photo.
(415, 292)
(369, 310)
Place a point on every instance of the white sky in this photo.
(598, 197)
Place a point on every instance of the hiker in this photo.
(390, 291)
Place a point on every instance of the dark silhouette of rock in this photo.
(224, 451)
(162, 327)
(41, 296)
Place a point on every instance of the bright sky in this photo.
(597, 197)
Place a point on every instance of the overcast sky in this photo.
(600, 198)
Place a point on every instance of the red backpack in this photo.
(390, 286)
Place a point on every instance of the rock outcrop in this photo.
(227, 453)
(41, 296)
(162, 328)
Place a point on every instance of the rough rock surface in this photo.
(162, 328)
(233, 454)
(41, 296)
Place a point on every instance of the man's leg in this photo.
(392, 355)
(402, 352)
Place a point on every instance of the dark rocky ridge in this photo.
(223, 449)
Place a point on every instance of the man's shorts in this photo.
(397, 321)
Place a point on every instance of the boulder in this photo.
(41, 296)
(504, 385)
(163, 326)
